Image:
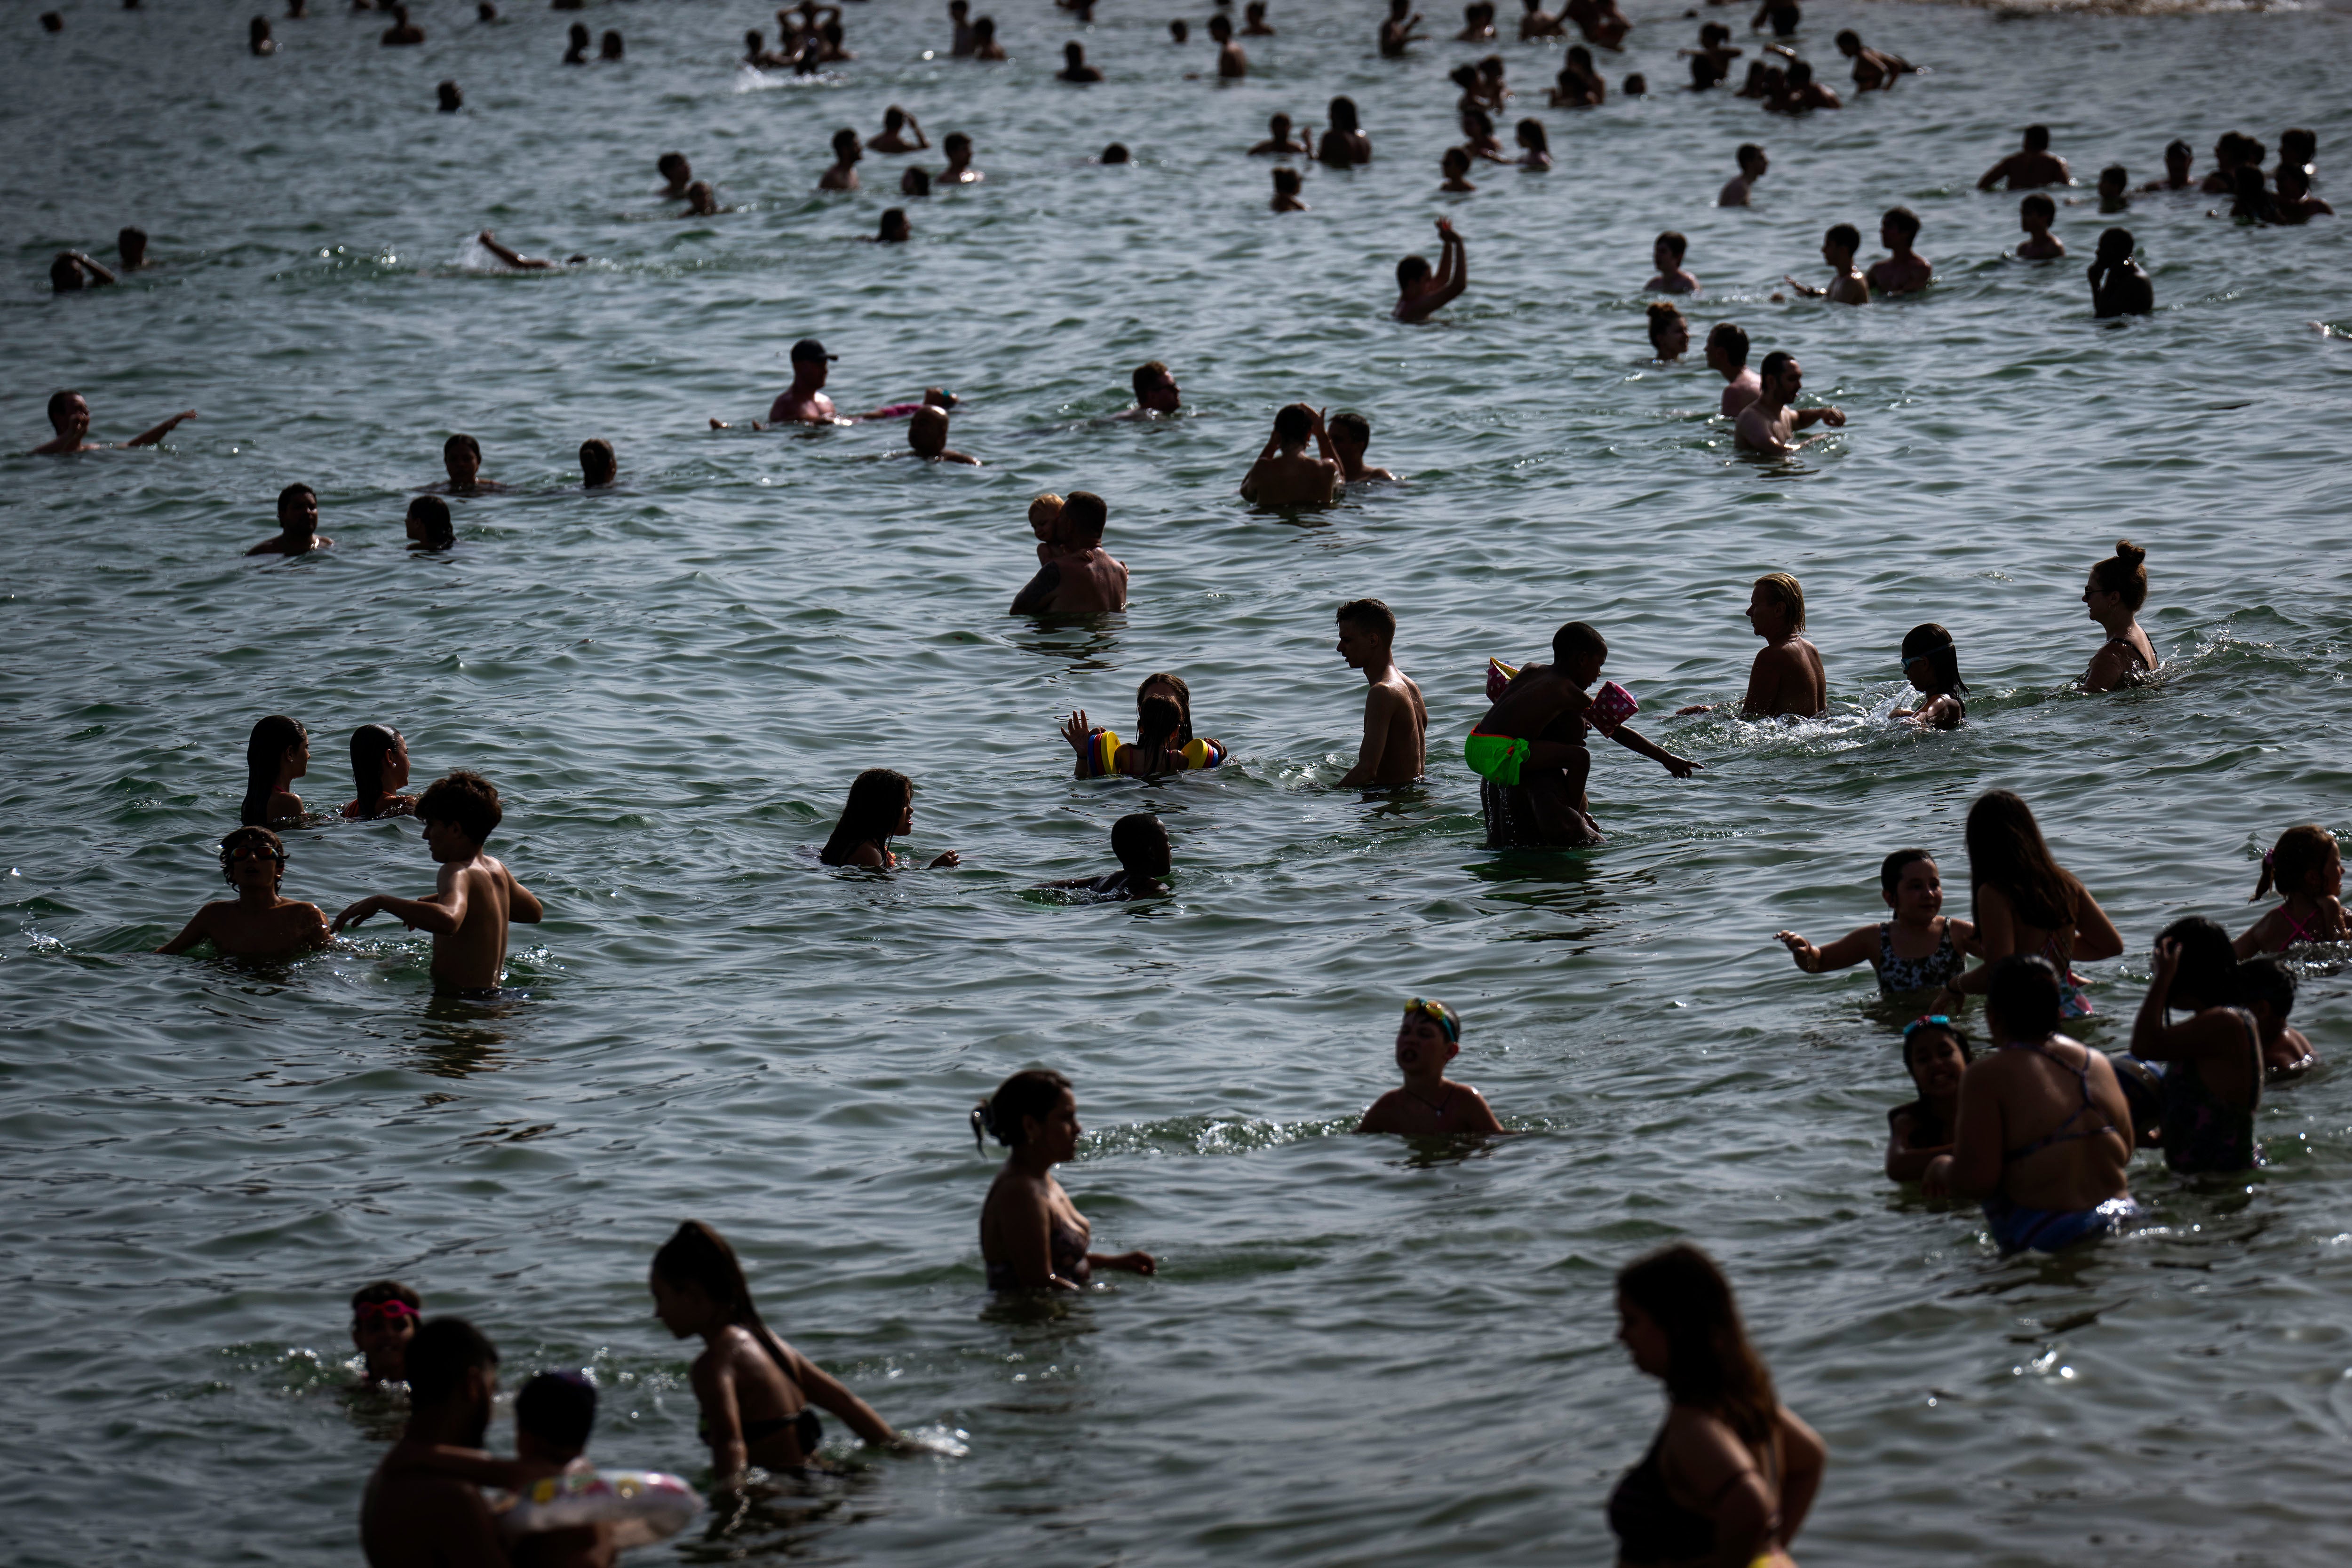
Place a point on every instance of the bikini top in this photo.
(2083, 1080)
(1650, 1526)
(2131, 651)
(1938, 968)
(1068, 1245)
(2202, 1132)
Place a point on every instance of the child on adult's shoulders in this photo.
(1428, 1103)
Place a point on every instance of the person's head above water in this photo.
(1140, 841)
(131, 245)
(881, 801)
(2007, 851)
(1116, 152)
(1936, 1052)
(1930, 660)
(915, 182)
(1084, 518)
(846, 148)
(1727, 346)
(1155, 388)
(277, 743)
(554, 1413)
(1579, 650)
(465, 802)
(1161, 684)
(1221, 27)
(695, 1278)
(1180, 31)
(2208, 972)
(1369, 620)
(1909, 878)
(926, 432)
(1668, 249)
(2299, 863)
(1293, 424)
(428, 523)
(379, 762)
(1025, 1109)
(462, 457)
(611, 48)
(385, 1313)
(2037, 139)
(598, 465)
(1413, 271)
(1842, 241)
(895, 229)
(1341, 116)
(1669, 332)
(1781, 375)
(1780, 591)
(2116, 247)
(1677, 1319)
(298, 510)
(810, 361)
(452, 1372)
(2123, 574)
(452, 99)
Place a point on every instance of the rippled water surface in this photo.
(1353, 1354)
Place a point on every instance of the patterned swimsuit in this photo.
(1898, 976)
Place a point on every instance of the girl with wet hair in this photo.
(1919, 950)
(881, 806)
(1932, 664)
(2214, 1082)
(759, 1396)
(379, 768)
(2112, 597)
(1669, 332)
(1536, 142)
(1344, 143)
(2307, 868)
(2027, 903)
(1732, 1473)
(1165, 741)
(276, 754)
(1032, 1236)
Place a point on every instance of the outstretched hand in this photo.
(1132, 1262)
(1680, 767)
(947, 859)
(358, 914)
(1077, 731)
(1800, 950)
(1834, 417)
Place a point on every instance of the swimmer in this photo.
(1045, 521)
(2035, 165)
(804, 401)
(927, 435)
(1396, 719)
(2267, 987)
(1032, 1236)
(1936, 1053)
(1669, 332)
(843, 175)
(915, 182)
(276, 753)
(427, 525)
(897, 125)
(1847, 285)
(1932, 664)
(1578, 85)
(1421, 294)
(1748, 1467)
(298, 525)
(1529, 750)
(1455, 166)
(881, 807)
(2178, 158)
(1752, 166)
(379, 773)
(2228, 153)
(1919, 950)
(1231, 64)
(1284, 477)
(1396, 30)
(1254, 23)
(958, 172)
(575, 49)
(521, 263)
(701, 202)
(2044, 1134)
(462, 457)
(598, 465)
(1786, 680)
(1769, 424)
(1801, 94)
(1344, 144)
(2299, 148)
(759, 1397)
(2307, 868)
(402, 31)
(2114, 189)
(984, 45)
(1872, 67)
(1904, 271)
(2036, 213)
(1165, 742)
(1285, 192)
(1478, 137)
(610, 46)
(258, 40)
(2025, 902)
(1351, 433)
(1074, 66)
(2253, 204)
(131, 249)
(72, 272)
(1784, 16)
(451, 98)
(52, 22)
(1140, 841)
(1636, 85)
(1601, 22)
(1082, 579)
(1277, 142)
(1116, 152)
(894, 228)
(474, 895)
(2112, 596)
(1762, 81)
(1666, 254)
(1428, 1103)
(413, 1514)
(2214, 1071)
(69, 417)
(677, 175)
(384, 1316)
(258, 923)
(1156, 393)
(1535, 145)
(1477, 23)
(2295, 203)
(959, 18)
(1179, 32)
(1727, 356)
(758, 56)
(1537, 23)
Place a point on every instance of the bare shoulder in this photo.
(1381, 1116)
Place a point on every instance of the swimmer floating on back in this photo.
(1921, 949)
(1428, 1103)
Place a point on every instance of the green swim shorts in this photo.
(1495, 757)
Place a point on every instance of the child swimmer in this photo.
(1921, 949)
(1936, 1054)
(2267, 986)
(384, 1316)
(258, 923)
(2306, 866)
(1429, 1103)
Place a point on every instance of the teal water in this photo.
(1353, 1353)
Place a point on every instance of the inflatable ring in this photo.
(641, 1505)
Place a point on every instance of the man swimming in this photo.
(1420, 294)
(1904, 271)
(1156, 393)
(1666, 254)
(69, 417)
(298, 525)
(804, 401)
(1082, 578)
(1351, 433)
(1767, 424)
(1727, 356)
(258, 923)
(927, 436)
(1752, 166)
(1847, 286)
(2033, 166)
(474, 895)
(520, 262)
(461, 454)
(1396, 720)
(846, 151)
(1283, 477)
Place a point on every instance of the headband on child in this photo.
(369, 1312)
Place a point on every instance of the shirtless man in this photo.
(1786, 679)
(1277, 141)
(1397, 31)
(69, 417)
(1667, 254)
(298, 525)
(474, 896)
(1420, 295)
(677, 175)
(843, 175)
(1075, 68)
(1871, 67)
(958, 172)
(2033, 168)
(1752, 166)
(1231, 64)
(461, 454)
(1847, 286)
(896, 123)
(804, 401)
(412, 1517)
(1351, 433)
(1767, 424)
(1727, 356)
(1904, 271)
(1083, 578)
(1283, 477)
(1156, 393)
(1396, 721)
(926, 435)
(2178, 156)
(2118, 285)
(258, 923)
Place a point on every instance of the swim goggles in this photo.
(390, 1311)
(255, 851)
(1928, 1021)
(1446, 1018)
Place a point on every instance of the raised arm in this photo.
(1455, 256)
(1081, 737)
(149, 438)
(1855, 947)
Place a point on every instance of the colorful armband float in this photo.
(640, 1505)
(1102, 754)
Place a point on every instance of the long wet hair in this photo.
(2126, 571)
(1710, 1365)
(876, 797)
(1183, 700)
(1933, 644)
(1340, 116)
(2298, 852)
(2006, 851)
(1031, 1092)
(371, 744)
(265, 749)
(697, 1255)
(1158, 723)
(2209, 965)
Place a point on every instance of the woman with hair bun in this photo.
(2117, 588)
(2214, 1083)
(1733, 1472)
(1032, 1236)
(2025, 902)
